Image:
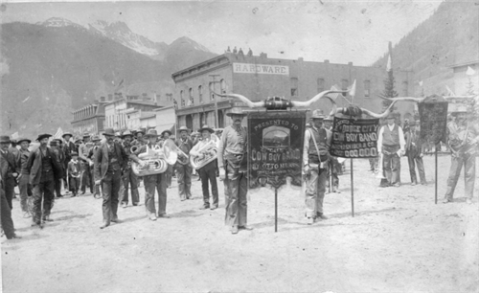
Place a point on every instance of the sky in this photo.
(340, 31)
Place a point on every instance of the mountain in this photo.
(450, 36)
(50, 68)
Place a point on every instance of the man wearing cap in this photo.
(183, 166)
(24, 179)
(86, 177)
(44, 170)
(207, 172)
(391, 144)
(129, 178)
(154, 181)
(414, 152)
(60, 157)
(169, 172)
(8, 168)
(110, 161)
(96, 140)
(232, 165)
(315, 166)
(463, 140)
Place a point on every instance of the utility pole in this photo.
(216, 102)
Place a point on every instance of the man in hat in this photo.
(463, 139)
(129, 178)
(60, 157)
(153, 181)
(8, 168)
(391, 144)
(139, 137)
(83, 151)
(414, 152)
(207, 172)
(24, 179)
(74, 174)
(68, 147)
(315, 166)
(183, 166)
(110, 161)
(232, 165)
(333, 166)
(6, 212)
(44, 170)
(166, 134)
(96, 140)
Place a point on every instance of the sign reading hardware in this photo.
(260, 69)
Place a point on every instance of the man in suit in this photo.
(414, 152)
(6, 213)
(110, 161)
(24, 180)
(169, 173)
(44, 169)
(9, 169)
(96, 140)
(130, 180)
(60, 157)
(83, 150)
(183, 166)
(391, 144)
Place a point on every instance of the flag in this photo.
(59, 133)
(470, 71)
(15, 135)
(389, 65)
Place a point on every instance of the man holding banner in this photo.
(391, 144)
(315, 159)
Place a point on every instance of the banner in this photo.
(354, 138)
(275, 147)
(433, 117)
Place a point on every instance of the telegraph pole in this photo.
(216, 102)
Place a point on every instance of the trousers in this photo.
(25, 191)
(391, 166)
(469, 163)
(208, 175)
(87, 178)
(130, 180)
(9, 186)
(412, 160)
(43, 191)
(314, 189)
(333, 166)
(183, 173)
(160, 183)
(6, 215)
(111, 188)
(236, 189)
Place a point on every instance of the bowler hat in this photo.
(19, 141)
(108, 132)
(127, 133)
(151, 133)
(5, 139)
(206, 127)
(318, 114)
(67, 133)
(42, 136)
(183, 128)
(236, 111)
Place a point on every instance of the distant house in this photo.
(89, 118)
(466, 77)
(119, 112)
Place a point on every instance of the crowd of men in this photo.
(103, 166)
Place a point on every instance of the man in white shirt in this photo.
(391, 144)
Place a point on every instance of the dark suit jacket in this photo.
(8, 161)
(101, 159)
(34, 165)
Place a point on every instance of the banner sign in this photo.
(260, 69)
(275, 147)
(433, 117)
(354, 138)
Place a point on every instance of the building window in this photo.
(200, 94)
(320, 84)
(344, 85)
(190, 96)
(212, 96)
(294, 87)
(367, 88)
(182, 100)
(405, 88)
(223, 86)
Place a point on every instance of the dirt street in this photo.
(399, 240)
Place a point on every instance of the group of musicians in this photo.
(105, 166)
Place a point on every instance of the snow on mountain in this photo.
(58, 22)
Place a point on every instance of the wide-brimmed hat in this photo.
(67, 133)
(195, 133)
(95, 138)
(42, 136)
(318, 114)
(235, 111)
(206, 127)
(19, 141)
(118, 134)
(74, 153)
(183, 128)
(5, 139)
(163, 132)
(151, 133)
(141, 130)
(329, 118)
(126, 133)
(108, 132)
(86, 135)
(78, 139)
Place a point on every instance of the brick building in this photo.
(89, 118)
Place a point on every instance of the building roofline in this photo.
(206, 62)
(463, 64)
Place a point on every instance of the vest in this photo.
(320, 136)
(391, 138)
(47, 168)
(113, 163)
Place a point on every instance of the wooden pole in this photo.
(352, 189)
(276, 210)
(435, 181)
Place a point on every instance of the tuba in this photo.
(209, 152)
(156, 159)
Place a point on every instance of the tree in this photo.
(389, 91)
